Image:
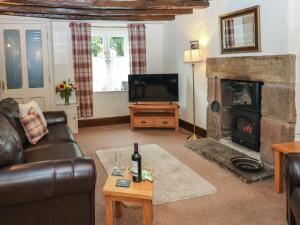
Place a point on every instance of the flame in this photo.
(248, 129)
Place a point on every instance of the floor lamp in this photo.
(192, 57)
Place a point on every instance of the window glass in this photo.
(97, 47)
(116, 46)
(110, 59)
(13, 62)
(34, 58)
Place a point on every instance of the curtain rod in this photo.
(110, 26)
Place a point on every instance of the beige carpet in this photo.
(235, 203)
(173, 180)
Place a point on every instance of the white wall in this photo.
(294, 47)
(62, 56)
(154, 48)
(106, 104)
(203, 26)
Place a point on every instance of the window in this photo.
(110, 54)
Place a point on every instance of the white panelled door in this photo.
(24, 73)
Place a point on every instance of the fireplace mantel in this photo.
(278, 72)
(273, 69)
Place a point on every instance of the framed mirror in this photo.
(240, 31)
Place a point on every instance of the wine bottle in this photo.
(136, 164)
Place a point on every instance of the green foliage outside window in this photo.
(117, 44)
(97, 46)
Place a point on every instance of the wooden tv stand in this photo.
(154, 115)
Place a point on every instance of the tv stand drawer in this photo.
(144, 122)
(165, 122)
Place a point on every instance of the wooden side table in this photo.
(137, 192)
(280, 150)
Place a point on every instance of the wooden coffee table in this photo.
(280, 150)
(137, 192)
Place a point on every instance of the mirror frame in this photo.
(257, 45)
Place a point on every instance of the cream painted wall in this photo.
(294, 47)
(106, 104)
(62, 56)
(203, 26)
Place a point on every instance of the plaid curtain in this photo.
(137, 48)
(229, 33)
(82, 57)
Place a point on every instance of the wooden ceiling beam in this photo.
(140, 10)
(111, 4)
(173, 4)
(87, 17)
(91, 12)
(126, 4)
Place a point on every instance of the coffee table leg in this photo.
(118, 207)
(109, 217)
(278, 172)
(147, 213)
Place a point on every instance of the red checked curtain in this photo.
(229, 33)
(82, 60)
(137, 48)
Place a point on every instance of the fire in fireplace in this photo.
(244, 125)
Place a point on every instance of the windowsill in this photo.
(109, 91)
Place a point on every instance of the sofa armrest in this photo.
(55, 117)
(292, 170)
(47, 179)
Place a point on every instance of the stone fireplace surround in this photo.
(278, 107)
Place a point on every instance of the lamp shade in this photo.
(193, 56)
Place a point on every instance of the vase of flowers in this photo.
(65, 89)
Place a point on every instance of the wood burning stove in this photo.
(246, 113)
(246, 128)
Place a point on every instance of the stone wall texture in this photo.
(214, 124)
(274, 69)
(278, 73)
(274, 131)
(278, 102)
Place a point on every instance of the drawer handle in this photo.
(143, 122)
(165, 122)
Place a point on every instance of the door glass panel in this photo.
(13, 62)
(34, 58)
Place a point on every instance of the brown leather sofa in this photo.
(293, 188)
(50, 183)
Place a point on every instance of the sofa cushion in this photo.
(34, 127)
(25, 108)
(11, 149)
(10, 109)
(67, 150)
(59, 133)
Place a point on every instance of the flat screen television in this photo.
(153, 88)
